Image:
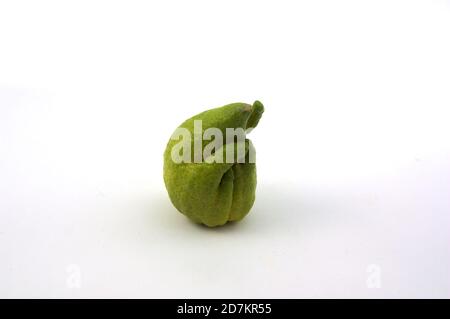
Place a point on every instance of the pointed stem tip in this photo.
(257, 111)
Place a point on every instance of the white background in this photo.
(353, 151)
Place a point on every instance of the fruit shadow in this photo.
(281, 210)
(276, 210)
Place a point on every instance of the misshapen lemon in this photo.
(213, 192)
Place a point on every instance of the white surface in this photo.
(353, 150)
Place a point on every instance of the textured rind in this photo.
(215, 193)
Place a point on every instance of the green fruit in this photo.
(213, 192)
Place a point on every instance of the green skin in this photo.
(215, 193)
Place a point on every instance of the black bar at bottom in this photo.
(217, 308)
